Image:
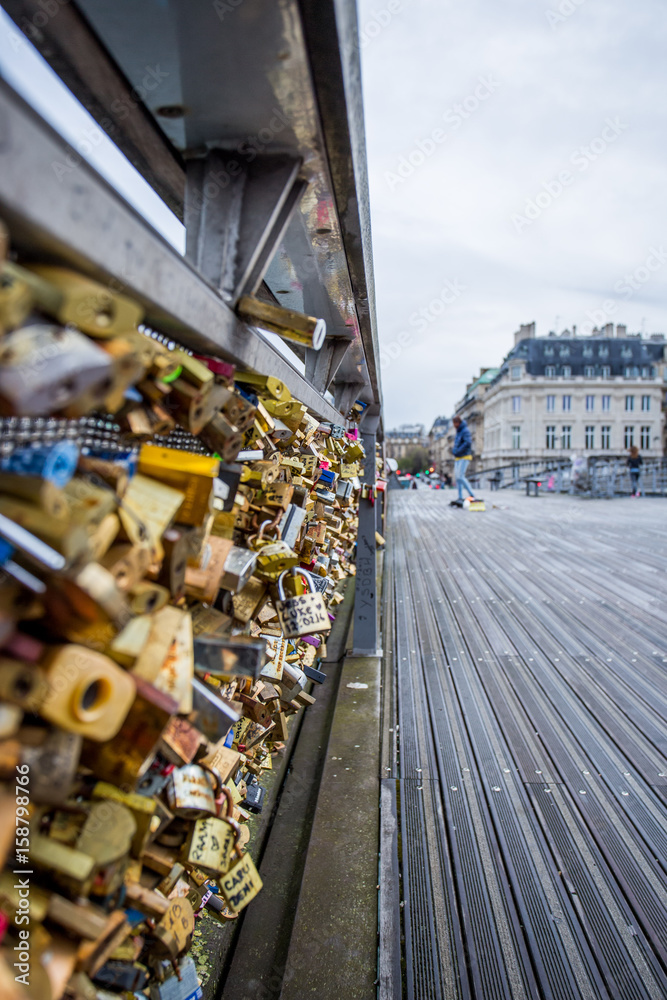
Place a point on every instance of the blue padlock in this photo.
(56, 462)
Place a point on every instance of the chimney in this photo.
(574, 329)
(608, 330)
(621, 330)
(525, 332)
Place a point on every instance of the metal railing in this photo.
(599, 477)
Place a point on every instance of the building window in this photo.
(516, 436)
(606, 371)
(566, 436)
(605, 437)
(551, 404)
(629, 437)
(631, 372)
(548, 351)
(645, 441)
(590, 403)
(646, 404)
(515, 373)
(567, 371)
(629, 403)
(603, 351)
(590, 436)
(564, 351)
(589, 371)
(550, 371)
(551, 436)
(516, 404)
(606, 403)
(588, 351)
(567, 403)
(646, 372)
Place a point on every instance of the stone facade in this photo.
(559, 395)
(399, 442)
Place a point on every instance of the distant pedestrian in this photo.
(413, 485)
(462, 452)
(635, 463)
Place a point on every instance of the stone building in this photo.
(437, 444)
(399, 442)
(559, 395)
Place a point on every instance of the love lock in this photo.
(303, 613)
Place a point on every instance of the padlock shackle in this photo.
(259, 536)
(295, 571)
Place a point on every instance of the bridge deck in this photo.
(527, 731)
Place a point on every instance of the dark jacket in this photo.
(635, 462)
(462, 442)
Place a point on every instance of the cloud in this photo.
(451, 218)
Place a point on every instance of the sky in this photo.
(515, 152)
(516, 160)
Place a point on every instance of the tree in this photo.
(416, 460)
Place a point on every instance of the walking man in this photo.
(462, 452)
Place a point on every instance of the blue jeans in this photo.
(460, 466)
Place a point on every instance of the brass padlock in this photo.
(303, 613)
(74, 298)
(88, 695)
(223, 437)
(214, 839)
(273, 558)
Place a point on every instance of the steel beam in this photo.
(367, 639)
(63, 211)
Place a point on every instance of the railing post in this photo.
(366, 618)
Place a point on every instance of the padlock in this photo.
(46, 368)
(124, 759)
(273, 558)
(192, 791)
(250, 600)
(184, 986)
(50, 541)
(16, 300)
(71, 297)
(148, 509)
(229, 656)
(193, 475)
(194, 407)
(52, 764)
(213, 840)
(239, 566)
(203, 581)
(222, 437)
(241, 883)
(268, 384)
(126, 647)
(260, 475)
(55, 463)
(176, 673)
(287, 323)
(214, 716)
(180, 741)
(303, 613)
(88, 693)
(239, 411)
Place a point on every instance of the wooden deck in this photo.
(525, 737)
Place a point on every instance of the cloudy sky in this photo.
(516, 155)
